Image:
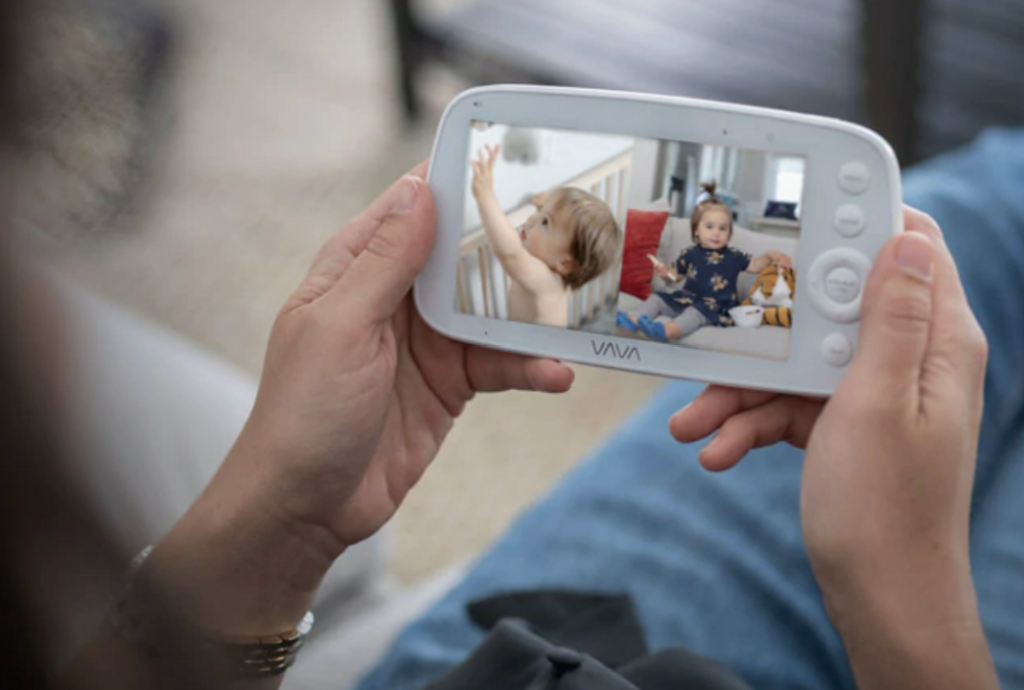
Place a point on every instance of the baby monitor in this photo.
(662, 235)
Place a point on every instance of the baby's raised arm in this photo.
(519, 264)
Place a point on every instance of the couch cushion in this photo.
(644, 231)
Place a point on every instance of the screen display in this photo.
(675, 242)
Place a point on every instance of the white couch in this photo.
(766, 341)
(153, 415)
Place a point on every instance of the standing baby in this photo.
(709, 271)
(571, 240)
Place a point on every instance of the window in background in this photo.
(786, 179)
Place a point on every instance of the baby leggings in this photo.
(690, 320)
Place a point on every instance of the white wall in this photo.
(567, 154)
(751, 182)
(750, 178)
(644, 177)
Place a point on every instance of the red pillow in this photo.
(643, 235)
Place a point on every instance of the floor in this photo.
(286, 124)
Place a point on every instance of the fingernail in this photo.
(916, 255)
(926, 225)
(407, 194)
(712, 443)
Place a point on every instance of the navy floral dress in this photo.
(710, 286)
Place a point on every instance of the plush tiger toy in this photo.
(775, 295)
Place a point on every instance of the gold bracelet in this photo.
(138, 618)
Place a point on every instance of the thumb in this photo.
(382, 274)
(897, 315)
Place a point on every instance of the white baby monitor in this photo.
(574, 224)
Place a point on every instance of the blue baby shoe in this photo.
(623, 321)
(652, 329)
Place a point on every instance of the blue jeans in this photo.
(716, 563)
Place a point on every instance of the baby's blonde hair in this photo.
(596, 236)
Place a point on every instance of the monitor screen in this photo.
(676, 242)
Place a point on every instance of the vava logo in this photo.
(615, 351)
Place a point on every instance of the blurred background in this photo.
(186, 159)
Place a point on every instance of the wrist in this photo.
(234, 563)
(898, 640)
(933, 593)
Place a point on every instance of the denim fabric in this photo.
(716, 563)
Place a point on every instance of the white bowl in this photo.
(748, 316)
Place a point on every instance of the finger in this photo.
(491, 371)
(955, 363)
(915, 220)
(421, 169)
(711, 409)
(338, 252)
(784, 418)
(920, 222)
(383, 272)
(897, 318)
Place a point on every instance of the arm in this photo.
(519, 264)
(663, 271)
(921, 632)
(682, 267)
(228, 566)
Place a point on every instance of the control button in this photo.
(842, 285)
(837, 350)
(850, 220)
(835, 293)
(854, 178)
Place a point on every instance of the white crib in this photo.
(480, 275)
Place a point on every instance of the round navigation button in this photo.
(837, 350)
(842, 285)
(849, 220)
(854, 178)
(835, 280)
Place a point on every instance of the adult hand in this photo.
(890, 459)
(358, 392)
(356, 397)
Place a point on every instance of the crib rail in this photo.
(481, 283)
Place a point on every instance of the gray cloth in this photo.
(559, 639)
(690, 320)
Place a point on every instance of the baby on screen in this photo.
(571, 240)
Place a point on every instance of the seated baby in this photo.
(709, 272)
(571, 240)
